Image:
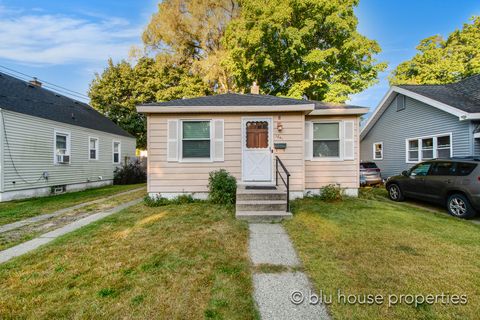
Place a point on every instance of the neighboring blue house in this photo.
(414, 123)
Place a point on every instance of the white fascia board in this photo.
(225, 109)
(339, 111)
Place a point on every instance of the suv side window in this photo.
(464, 168)
(443, 169)
(421, 169)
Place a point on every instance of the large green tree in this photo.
(443, 61)
(122, 86)
(301, 48)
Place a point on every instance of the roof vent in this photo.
(35, 82)
(254, 89)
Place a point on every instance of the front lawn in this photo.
(373, 246)
(12, 211)
(174, 262)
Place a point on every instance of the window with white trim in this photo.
(326, 140)
(195, 139)
(116, 148)
(93, 148)
(378, 151)
(62, 148)
(426, 148)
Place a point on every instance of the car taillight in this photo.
(377, 170)
(478, 178)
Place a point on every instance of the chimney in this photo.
(254, 89)
(35, 82)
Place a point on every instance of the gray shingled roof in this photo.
(463, 95)
(235, 99)
(20, 96)
(320, 105)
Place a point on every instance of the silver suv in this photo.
(454, 183)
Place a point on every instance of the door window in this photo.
(257, 134)
(421, 169)
(443, 169)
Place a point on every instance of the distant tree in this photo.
(301, 48)
(122, 86)
(443, 61)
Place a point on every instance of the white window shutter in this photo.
(308, 140)
(172, 140)
(349, 140)
(218, 140)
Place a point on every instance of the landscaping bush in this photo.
(222, 186)
(159, 201)
(330, 192)
(130, 173)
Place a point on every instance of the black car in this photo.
(453, 183)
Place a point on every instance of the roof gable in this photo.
(19, 96)
(460, 99)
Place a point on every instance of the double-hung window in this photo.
(62, 148)
(116, 148)
(195, 139)
(93, 148)
(426, 148)
(378, 151)
(326, 140)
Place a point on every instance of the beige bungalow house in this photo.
(259, 139)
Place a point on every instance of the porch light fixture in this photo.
(279, 126)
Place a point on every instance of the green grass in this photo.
(374, 246)
(173, 262)
(20, 209)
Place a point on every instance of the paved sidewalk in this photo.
(269, 244)
(33, 244)
(21, 223)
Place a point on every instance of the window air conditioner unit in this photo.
(63, 158)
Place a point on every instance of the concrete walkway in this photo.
(274, 293)
(33, 244)
(21, 223)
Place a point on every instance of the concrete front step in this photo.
(263, 216)
(261, 205)
(277, 195)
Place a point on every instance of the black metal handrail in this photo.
(286, 183)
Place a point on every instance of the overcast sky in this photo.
(66, 42)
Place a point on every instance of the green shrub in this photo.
(159, 201)
(330, 192)
(130, 173)
(222, 186)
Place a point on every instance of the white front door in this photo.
(257, 149)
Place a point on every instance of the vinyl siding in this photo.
(416, 120)
(171, 177)
(344, 173)
(31, 146)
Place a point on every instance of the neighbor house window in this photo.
(62, 148)
(378, 151)
(326, 140)
(116, 151)
(427, 148)
(93, 148)
(195, 139)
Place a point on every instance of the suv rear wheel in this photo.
(395, 193)
(459, 206)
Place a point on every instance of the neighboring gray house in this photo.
(50, 143)
(414, 123)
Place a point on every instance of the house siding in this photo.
(343, 173)
(192, 177)
(31, 146)
(416, 120)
